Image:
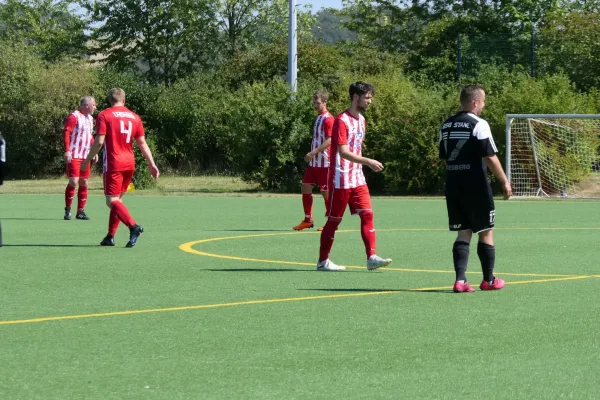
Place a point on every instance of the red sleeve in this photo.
(101, 124)
(140, 130)
(70, 124)
(340, 131)
(328, 126)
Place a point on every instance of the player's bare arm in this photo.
(141, 141)
(346, 154)
(98, 143)
(494, 165)
(311, 154)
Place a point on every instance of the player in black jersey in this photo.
(468, 148)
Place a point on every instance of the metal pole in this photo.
(292, 48)
(532, 51)
(508, 143)
(458, 61)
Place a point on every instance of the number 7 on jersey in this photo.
(126, 131)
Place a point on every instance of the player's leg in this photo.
(325, 195)
(307, 199)
(112, 186)
(338, 200)
(115, 185)
(82, 194)
(360, 203)
(459, 223)
(485, 216)
(135, 230)
(323, 187)
(73, 175)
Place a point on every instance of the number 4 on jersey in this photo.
(126, 131)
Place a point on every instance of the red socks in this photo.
(367, 231)
(307, 203)
(327, 237)
(326, 198)
(113, 222)
(122, 213)
(69, 194)
(82, 194)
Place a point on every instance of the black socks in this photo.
(460, 253)
(487, 256)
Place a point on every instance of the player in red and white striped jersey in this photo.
(78, 137)
(318, 159)
(347, 184)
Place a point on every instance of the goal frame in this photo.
(509, 119)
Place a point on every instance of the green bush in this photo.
(36, 99)
(142, 178)
(268, 132)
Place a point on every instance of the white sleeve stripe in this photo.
(493, 144)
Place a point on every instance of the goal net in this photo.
(553, 155)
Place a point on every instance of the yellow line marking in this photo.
(570, 278)
(251, 302)
(189, 248)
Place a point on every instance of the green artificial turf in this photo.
(82, 321)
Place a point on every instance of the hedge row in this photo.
(221, 123)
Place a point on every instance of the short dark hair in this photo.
(360, 88)
(470, 93)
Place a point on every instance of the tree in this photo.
(247, 23)
(165, 39)
(50, 27)
(571, 43)
(329, 27)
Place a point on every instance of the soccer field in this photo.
(220, 300)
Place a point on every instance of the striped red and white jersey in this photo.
(78, 133)
(321, 132)
(350, 131)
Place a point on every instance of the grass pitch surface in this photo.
(247, 316)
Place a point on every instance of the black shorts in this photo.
(475, 214)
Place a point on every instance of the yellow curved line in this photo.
(189, 248)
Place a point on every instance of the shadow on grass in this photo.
(247, 230)
(272, 270)
(361, 290)
(50, 245)
(212, 191)
(31, 219)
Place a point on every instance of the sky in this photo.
(318, 4)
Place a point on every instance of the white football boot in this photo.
(375, 262)
(327, 265)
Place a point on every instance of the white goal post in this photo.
(553, 155)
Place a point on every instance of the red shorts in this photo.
(317, 176)
(358, 199)
(74, 169)
(117, 182)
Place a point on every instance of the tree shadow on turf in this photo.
(247, 230)
(270, 270)
(50, 245)
(360, 290)
(31, 219)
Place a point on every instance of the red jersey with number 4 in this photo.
(121, 126)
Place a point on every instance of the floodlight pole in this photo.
(292, 48)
